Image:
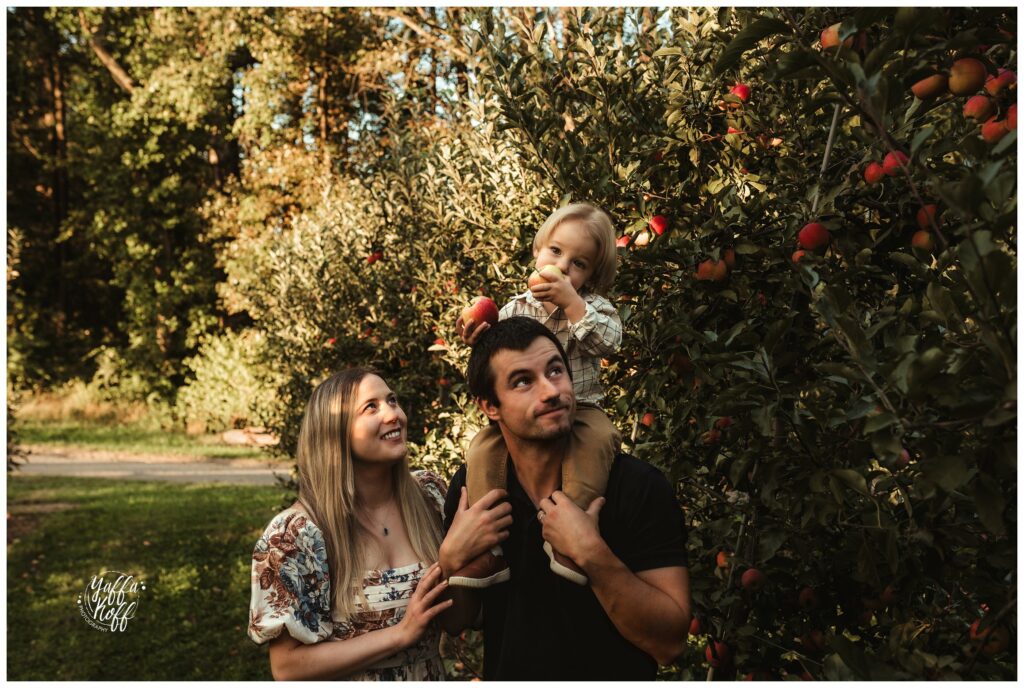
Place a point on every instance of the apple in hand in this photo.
(481, 310)
(548, 273)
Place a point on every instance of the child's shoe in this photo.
(564, 566)
(490, 568)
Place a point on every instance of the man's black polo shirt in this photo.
(539, 626)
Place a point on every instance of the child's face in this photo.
(569, 247)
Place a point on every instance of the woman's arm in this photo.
(291, 660)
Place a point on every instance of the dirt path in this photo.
(85, 463)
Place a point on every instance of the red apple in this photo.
(813, 640)
(830, 37)
(993, 131)
(967, 76)
(930, 87)
(729, 257)
(922, 239)
(718, 656)
(813, 236)
(733, 130)
(904, 459)
(712, 270)
(874, 173)
(808, 598)
(723, 422)
(658, 224)
(894, 163)
(722, 559)
(643, 238)
(548, 273)
(752, 580)
(992, 640)
(623, 241)
(711, 437)
(482, 309)
(979, 108)
(741, 91)
(927, 215)
(374, 257)
(995, 84)
(797, 255)
(648, 419)
(695, 628)
(439, 342)
(1011, 117)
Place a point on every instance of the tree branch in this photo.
(449, 45)
(116, 71)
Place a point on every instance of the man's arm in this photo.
(469, 531)
(651, 609)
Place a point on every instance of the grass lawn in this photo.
(127, 437)
(191, 544)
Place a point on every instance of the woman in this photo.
(351, 560)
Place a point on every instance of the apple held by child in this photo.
(548, 273)
(481, 310)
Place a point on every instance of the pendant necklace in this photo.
(382, 524)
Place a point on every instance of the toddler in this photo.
(579, 240)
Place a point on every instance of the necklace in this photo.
(380, 524)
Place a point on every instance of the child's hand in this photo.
(472, 333)
(558, 292)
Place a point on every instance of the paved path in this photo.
(122, 466)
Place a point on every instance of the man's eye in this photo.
(519, 382)
(556, 370)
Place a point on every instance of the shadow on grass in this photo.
(191, 544)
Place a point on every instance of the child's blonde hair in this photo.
(599, 228)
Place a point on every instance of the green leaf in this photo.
(853, 480)
(668, 51)
(747, 38)
(852, 655)
(948, 472)
(990, 502)
(920, 137)
(1005, 142)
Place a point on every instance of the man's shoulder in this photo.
(628, 466)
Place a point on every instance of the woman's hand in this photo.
(475, 529)
(472, 332)
(423, 607)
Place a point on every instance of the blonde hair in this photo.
(327, 489)
(599, 228)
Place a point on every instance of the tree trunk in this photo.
(324, 129)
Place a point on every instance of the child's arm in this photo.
(599, 331)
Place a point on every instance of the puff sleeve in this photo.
(291, 584)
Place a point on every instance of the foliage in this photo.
(825, 369)
(224, 390)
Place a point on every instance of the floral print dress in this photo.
(291, 588)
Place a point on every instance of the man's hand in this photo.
(471, 331)
(571, 530)
(474, 530)
(558, 292)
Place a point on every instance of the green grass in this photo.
(191, 544)
(128, 437)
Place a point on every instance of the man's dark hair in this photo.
(517, 334)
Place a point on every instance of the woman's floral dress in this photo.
(291, 588)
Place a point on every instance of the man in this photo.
(631, 544)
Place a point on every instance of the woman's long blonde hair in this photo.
(327, 489)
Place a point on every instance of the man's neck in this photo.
(538, 465)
